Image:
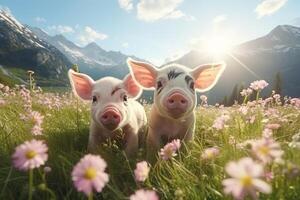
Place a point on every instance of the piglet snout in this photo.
(110, 118)
(176, 104)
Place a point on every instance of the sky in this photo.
(156, 30)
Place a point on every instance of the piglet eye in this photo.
(94, 99)
(159, 84)
(192, 85)
(125, 98)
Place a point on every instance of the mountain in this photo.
(278, 52)
(91, 58)
(22, 50)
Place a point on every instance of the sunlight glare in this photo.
(217, 46)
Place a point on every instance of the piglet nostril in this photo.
(115, 116)
(171, 101)
(183, 101)
(104, 116)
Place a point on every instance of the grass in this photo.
(187, 176)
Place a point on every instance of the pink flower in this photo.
(144, 195)
(89, 173)
(267, 150)
(295, 102)
(273, 126)
(141, 172)
(176, 143)
(170, 149)
(36, 130)
(246, 179)
(267, 133)
(259, 85)
(36, 117)
(243, 110)
(219, 122)
(2, 102)
(29, 155)
(203, 99)
(210, 153)
(246, 92)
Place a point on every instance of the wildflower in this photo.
(29, 155)
(267, 133)
(295, 102)
(258, 85)
(267, 150)
(2, 102)
(243, 110)
(176, 143)
(269, 176)
(246, 92)
(246, 179)
(89, 173)
(36, 117)
(210, 153)
(36, 130)
(141, 172)
(203, 99)
(219, 122)
(295, 143)
(170, 149)
(144, 195)
(47, 169)
(273, 126)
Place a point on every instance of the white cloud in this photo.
(90, 35)
(126, 5)
(268, 7)
(61, 29)
(40, 20)
(158, 9)
(219, 19)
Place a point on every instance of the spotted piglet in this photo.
(113, 109)
(172, 115)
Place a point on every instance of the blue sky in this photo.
(155, 30)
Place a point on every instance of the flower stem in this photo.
(257, 95)
(30, 184)
(90, 196)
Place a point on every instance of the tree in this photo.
(277, 86)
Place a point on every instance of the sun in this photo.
(217, 46)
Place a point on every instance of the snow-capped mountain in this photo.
(91, 58)
(21, 49)
(262, 58)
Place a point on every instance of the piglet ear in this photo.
(144, 73)
(82, 84)
(133, 89)
(206, 76)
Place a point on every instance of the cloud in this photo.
(90, 35)
(158, 9)
(126, 5)
(61, 29)
(40, 20)
(268, 7)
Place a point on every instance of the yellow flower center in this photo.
(246, 181)
(264, 150)
(30, 154)
(90, 173)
